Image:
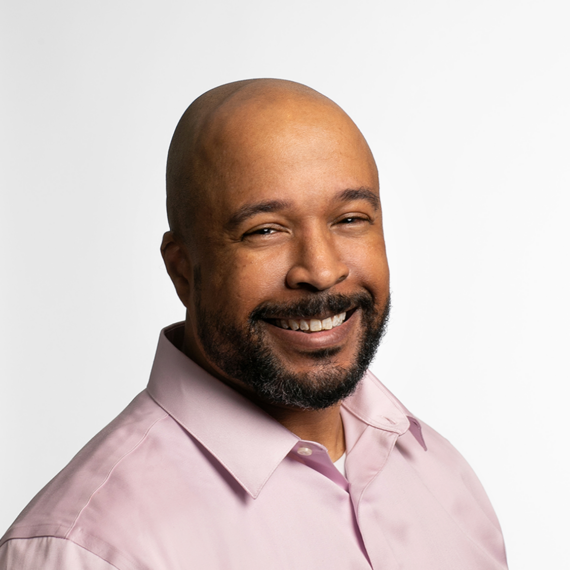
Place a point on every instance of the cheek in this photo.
(240, 282)
(369, 266)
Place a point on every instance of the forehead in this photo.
(284, 148)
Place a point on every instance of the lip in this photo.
(306, 342)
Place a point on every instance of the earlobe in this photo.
(178, 265)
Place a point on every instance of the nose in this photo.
(317, 264)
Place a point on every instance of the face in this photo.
(288, 285)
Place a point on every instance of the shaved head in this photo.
(244, 113)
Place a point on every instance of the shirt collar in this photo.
(247, 441)
(376, 406)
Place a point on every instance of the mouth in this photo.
(312, 324)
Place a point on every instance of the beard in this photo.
(245, 354)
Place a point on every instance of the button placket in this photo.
(318, 459)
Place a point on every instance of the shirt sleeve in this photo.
(48, 553)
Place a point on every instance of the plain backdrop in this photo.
(466, 107)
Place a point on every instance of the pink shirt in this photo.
(194, 476)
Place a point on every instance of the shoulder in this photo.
(55, 510)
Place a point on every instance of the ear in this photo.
(178, 265)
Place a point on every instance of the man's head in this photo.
(273, 204)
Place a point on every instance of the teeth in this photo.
(316, 325)
(338, 319)
(293, 324)
(313, 325)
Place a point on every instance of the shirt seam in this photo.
(390, 451)
(71, 541)
(136, 446)
(393, 444)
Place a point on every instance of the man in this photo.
(261, 440)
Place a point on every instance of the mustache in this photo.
(316, 304)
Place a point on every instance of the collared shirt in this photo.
(193, 475)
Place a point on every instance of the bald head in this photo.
(244, 115)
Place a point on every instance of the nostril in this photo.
(342, 278)
(308, 287)
(315, 278)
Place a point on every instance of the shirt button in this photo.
(305, 451)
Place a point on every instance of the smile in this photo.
(310, 325)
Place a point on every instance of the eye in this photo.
(264, 231)
(352, 220)
(260, 232)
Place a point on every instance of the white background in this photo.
(466, 107)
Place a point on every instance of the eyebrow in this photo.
(250, 210)
(360, 194)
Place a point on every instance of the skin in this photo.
(284, 146)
